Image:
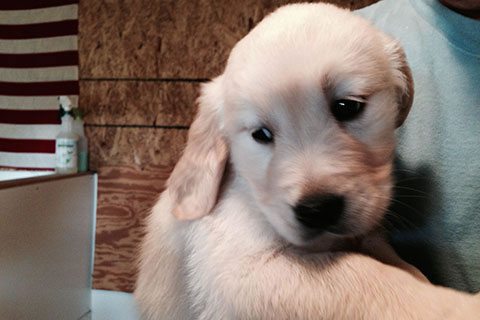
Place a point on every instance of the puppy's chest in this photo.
(220, 249)
(225, 231)
(232, 232)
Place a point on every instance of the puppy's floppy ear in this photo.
(195, 180)
(402, 78)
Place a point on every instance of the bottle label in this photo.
(66, 153)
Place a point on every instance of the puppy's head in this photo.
(306, 111)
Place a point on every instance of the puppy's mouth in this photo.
(337, 237)
(338, 230)
(330, 242)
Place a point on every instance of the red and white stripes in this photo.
(38, 63)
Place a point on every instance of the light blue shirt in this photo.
(435, 218)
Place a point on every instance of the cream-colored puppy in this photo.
(289, 160)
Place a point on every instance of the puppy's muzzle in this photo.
(320, 212)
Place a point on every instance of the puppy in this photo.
(288, 161)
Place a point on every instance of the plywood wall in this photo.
(141, 65)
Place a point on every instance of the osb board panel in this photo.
(138, 146)
(166, 38)
(126, 193)
(139, 102)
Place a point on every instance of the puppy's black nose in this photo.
(320, 211)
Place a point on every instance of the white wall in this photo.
(46, 248)
(12, 175)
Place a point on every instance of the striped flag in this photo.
(38, 63)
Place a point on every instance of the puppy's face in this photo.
(305, 111)
(310, 109)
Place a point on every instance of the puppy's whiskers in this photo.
(395, 221)
(411, 189)
(395, 216)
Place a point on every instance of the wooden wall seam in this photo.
(201, 80)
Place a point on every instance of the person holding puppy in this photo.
(436, 213)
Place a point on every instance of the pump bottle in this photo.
(66, 142)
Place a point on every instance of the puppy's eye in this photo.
(263, 135)
(346, 109)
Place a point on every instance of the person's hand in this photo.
(376, 246)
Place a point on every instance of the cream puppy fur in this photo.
(288, 162)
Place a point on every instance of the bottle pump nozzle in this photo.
(65, 103)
